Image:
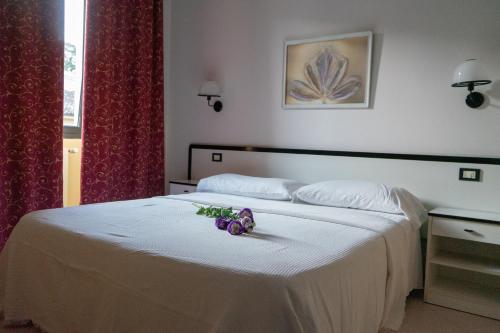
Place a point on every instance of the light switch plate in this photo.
(471, 175)
(216, 157)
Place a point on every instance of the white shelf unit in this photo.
(461, 272)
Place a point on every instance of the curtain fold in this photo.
(123, 154)
(31, 108)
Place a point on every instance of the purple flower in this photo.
(247, 224)
(246, 212)
(235, 228)
(221, 223)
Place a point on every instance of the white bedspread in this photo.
(152, 265)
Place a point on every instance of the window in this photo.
(74, 27)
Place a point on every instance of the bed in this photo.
(153, 265)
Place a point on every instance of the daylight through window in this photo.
(73, 61)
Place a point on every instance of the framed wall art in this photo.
(331, 72)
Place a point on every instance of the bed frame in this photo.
(433, 178)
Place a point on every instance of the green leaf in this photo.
(215, 212)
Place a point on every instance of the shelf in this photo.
(474, 292)
(465, 296)
(467, 262)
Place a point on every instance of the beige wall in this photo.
(71, 171)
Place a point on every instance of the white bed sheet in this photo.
(152, 265)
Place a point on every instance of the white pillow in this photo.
(363, 195)
(255, 187)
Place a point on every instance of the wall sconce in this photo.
(211, 89)
(470, 74)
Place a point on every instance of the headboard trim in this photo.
(414, 157)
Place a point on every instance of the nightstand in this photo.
(181, 186)
(463, 261)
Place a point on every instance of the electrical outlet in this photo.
(471, 175)
(216, 157)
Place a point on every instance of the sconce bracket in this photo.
(217, 105)
(474, 99)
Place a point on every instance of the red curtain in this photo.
(31, 108)
(123, 155)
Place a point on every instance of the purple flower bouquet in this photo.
(226, 219)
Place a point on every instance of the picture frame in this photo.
(330, 72)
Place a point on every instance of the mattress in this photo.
(153, 265)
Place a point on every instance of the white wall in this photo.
(417, 45)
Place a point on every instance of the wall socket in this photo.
(471, 175)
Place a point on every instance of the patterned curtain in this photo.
(123, 154)
(31, 108)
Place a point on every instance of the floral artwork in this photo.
(330, 72)
(325, 79)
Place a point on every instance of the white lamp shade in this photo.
(469, 71)
(210, 88)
